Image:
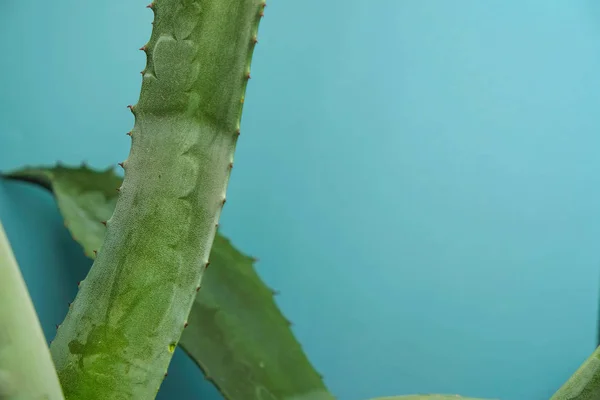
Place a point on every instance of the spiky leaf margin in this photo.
(236, 333)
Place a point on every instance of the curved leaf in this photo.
(236, 333)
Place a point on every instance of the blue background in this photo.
(420, 179)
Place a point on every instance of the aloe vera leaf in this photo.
(584, 384)
(236, 333)
(240, 339)
(86, 198)
(26, 368)
(120, 332)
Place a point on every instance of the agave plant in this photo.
(153, 235)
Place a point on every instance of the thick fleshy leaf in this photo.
(236, 333)
(26, 367)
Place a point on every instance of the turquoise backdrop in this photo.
(420, 179)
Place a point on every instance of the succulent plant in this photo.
(120, 333)
(155, 239)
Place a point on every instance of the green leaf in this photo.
(236, 333)
(118, 337)
(585, 382)
(26, 368)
